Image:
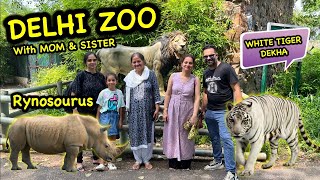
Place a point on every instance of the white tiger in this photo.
(260, 118)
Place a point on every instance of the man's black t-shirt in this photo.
(217, 82)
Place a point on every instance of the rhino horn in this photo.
(103, 129)
(121, 148)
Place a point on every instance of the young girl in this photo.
(110, 112)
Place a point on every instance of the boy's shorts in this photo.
(112, 118)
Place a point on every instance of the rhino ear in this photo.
(103, 129)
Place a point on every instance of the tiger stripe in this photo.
(305, 136)
(261, 118)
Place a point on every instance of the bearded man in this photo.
(221, 85)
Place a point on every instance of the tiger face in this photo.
(239, 121)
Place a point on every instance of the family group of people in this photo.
(182, 102)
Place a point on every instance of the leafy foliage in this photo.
(309, 17)
(11, 7)
(201, 139)
(74, 58)
(308, 20)
(49, 112)
(310, 79)
(203, 21)
(52, 75)
(309, 107)
(311, 5)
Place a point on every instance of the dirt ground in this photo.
(49, 167)
(307, 167)
(124, 162)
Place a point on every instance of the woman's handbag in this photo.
(187, 125)
(193, 133)
(193, 129)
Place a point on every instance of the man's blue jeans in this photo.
(218, 132)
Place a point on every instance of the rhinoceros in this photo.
(52, 135)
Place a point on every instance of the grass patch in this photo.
(49, 112)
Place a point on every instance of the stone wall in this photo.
(253, 15)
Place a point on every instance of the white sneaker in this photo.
(111, 166)
(212, 162)
(231, 176)
(101, 167)
(214, 165)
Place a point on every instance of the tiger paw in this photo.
(247, 172)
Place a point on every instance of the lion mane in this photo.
(161, 56)
(169, 56)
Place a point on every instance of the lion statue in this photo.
(161, 56)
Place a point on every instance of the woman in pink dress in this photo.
(181, 102)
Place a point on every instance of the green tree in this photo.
(74, 59)
(49, 6)
(8, 7)
(52, 75)
(203, 21)
(309, 17)
(311, 5)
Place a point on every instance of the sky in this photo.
(298, 5)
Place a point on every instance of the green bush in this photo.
(203, 139)
(52, 75)
(310, 110)
(49, 112)
(203, 21)
(310, 77)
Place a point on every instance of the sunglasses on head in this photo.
(210, 56)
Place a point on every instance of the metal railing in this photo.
(6, 117)
(159, 129)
